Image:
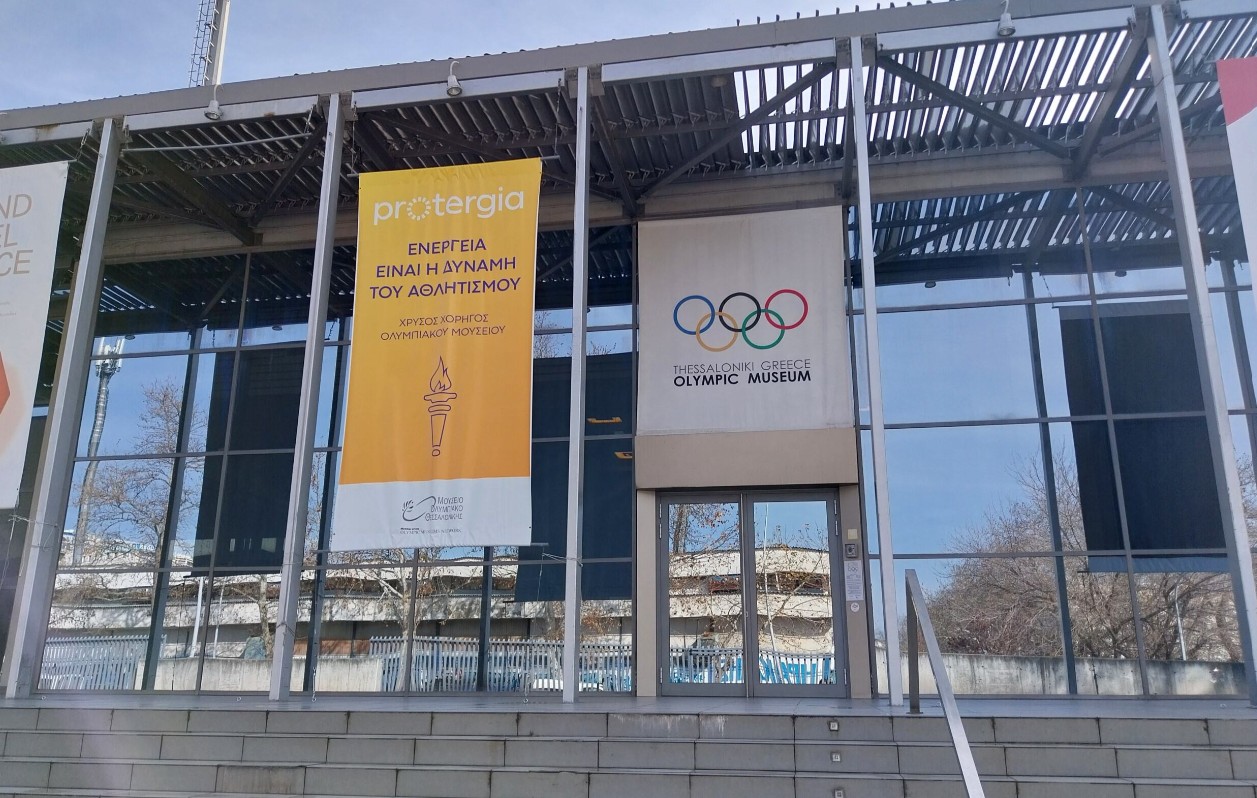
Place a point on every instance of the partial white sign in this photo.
(743, 324)
(30, 214)
(1238, 81)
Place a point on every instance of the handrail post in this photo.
(914, 658)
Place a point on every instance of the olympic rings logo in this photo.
(729, 319)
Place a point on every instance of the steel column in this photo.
(52, 484)
(877, 420)
(576, 420)
(307, 413)
(1226, 475)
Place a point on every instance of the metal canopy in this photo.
(1076, 97)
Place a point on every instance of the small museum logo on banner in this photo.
(1237, 78)
(743, 324)
(30, 215)
(438, 425)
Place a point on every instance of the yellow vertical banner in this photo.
(438, 448)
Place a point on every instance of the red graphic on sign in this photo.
(4, 385)
(1237, 77)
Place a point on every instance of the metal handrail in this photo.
(959, 740)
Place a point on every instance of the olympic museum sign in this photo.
(650, 367)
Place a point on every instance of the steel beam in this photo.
(73, 131)
(1226, 474)
(576, 417)
(721, 61)
(307, 412)
(283, 181)
(985, 32)
(873, 357)
(1015, 200)
(235, 112)
(424, 94)
(1127, 204)
(752, 119)
(611, 150)
(1123, 73)
(993, 117)
(52, 483)
(218, 212)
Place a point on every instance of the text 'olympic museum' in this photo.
(707, 458)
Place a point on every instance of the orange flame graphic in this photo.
(440, 381)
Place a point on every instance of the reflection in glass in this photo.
(793, 600)
(998, 623)
(277, 302)
(133, 406)
(705, 621)
(97, 632)
(1191, 636)
(362, 618)
(118, 513)
(1102, 624)
(976, 362)
(966, 489)
(240, 632)
(187, 603)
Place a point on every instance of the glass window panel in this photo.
(187, 602)
(1215, 269)
(1149, 355)
(607, 531)
(1086, 490)
(606, 650)
(190, 478)
(267, 399)
(133, 406)
(248, 530)
(117, 513)
(705, 617)
(961, 489)
(1103, 628)
(1112, 279)
(609, 315)
(447, 626)
(551, 386)
(1190, 634)
(240, 638)
(861, 369)
(609, 390)
(937, 289)
(868, 484)
(976, 362)
(332, 357)
(157, 305)
(553, 319)
(98, 632)
(1082, 377)
(1248, 320)
(277, 305)
(997, 621)
(362, 619)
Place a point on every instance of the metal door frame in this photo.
(751, 686)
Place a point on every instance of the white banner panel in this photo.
(30, 214)
(743, 324)
(1238, 80)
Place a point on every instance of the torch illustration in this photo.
(439, 403)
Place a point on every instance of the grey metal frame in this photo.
(52, 485)
(872, 345)
(307, 412)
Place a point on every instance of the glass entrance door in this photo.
(747, 585)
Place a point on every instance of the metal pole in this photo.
(1226, 475)
(307, 413)
(218, 43)
(576, 420)
(52, 484)
(486, 610)
(877, 420)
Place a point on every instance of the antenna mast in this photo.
(208, 47)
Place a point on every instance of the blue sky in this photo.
(60, 51)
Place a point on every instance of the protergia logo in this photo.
(484, 206)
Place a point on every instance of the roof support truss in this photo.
(1013, 128)
(989, 212)
(217, 211)
(296, 165)
(610, 149)
(1123, 74)
(752, 119)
